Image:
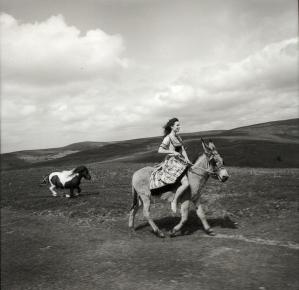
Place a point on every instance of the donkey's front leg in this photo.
(146, 213)
(200, 213)
(184, 217)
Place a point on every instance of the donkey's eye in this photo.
(213, 162)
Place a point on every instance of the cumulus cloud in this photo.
(60, 86)
(263, 87)
(273, 66)
(54, 52)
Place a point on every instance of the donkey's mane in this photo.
(197, 157)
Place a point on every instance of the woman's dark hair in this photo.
(168, 125)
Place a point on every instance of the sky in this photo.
(111, 70)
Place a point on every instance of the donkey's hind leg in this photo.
(135, 206)
(146, 212)
(184, 217)
(133, 212)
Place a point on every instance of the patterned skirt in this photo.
(167, 172)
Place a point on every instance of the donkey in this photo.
(67, 179)
(210, 163)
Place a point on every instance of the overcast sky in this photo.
(106, 70)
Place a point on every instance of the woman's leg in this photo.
(179, 191)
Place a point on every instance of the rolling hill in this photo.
(271, 144)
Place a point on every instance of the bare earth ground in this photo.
(84, 243)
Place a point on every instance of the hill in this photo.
(286, 131)
(20, 159)
(271, 144)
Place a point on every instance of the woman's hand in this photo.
(174, 153)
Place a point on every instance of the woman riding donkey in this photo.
(174, 167)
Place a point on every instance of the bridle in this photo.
(213, 173)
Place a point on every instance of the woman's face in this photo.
(176, 127)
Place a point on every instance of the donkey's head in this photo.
(215, 161)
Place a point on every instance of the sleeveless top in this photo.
(169, 170)
(172, 143)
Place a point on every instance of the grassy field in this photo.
(84, 242)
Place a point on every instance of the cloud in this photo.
(175, 95)
(272, 67)
(52, 52)
(263, 86)
(60, 86)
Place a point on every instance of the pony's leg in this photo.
(184, 217)
(79, 190)
(54, 193)
(146, 212)
(70, 194)
(200, 213)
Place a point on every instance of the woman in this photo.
(175, 162)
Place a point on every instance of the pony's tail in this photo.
(45, 180)
(135, 198)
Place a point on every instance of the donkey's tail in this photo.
(135, 198)
(45, 180)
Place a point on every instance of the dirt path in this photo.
(52, 252)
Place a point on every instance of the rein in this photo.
(197, 173)
(198, 167)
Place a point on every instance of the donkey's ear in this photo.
(211, 145)
(205, 146)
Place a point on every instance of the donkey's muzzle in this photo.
(224, 178)
(223, 175)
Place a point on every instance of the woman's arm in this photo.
(184, 153)
(167, 151)
(164, 147)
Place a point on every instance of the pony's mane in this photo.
(79, 169)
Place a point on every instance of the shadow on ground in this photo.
(192, 225)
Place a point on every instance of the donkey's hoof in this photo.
(173, 233)
(210, 232)
(159, 234)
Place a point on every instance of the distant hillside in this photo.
(272, 144)
(286, 131)
(81, 146)
(27, 157)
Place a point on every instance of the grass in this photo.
(248, 194)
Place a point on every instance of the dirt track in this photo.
(48, 252)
